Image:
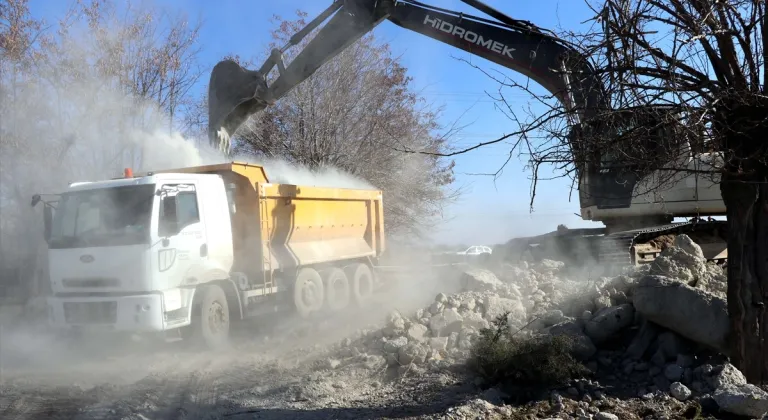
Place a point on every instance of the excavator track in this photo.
(641, 246)
(618, 249)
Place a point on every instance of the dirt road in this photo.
(253, 380)
(288, 370)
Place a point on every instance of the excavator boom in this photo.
(234, 93)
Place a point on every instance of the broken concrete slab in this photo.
(692, 313)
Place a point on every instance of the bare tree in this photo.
(356, 113)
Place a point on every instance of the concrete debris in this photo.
(608, 321)
(693, 313)
(744, 400)
(679, 391)
(663, 313)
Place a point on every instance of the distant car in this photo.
(476, 250)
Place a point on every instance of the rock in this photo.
(743, 400)
(374, 362)
(438, 343)
(475, 321)
(453, 340)
(441, 298)
(468, 304)
(671, 345)
(550, 266)
(411, 353)
(392, 346)
(673, 372)
(602, 302)
(552, 317)
(417, 332)
(435, 308)
(692, 313)
(728, 375)
(609, 321)
(496, 306)
(606, 416)
(677, 264)
(685, 243)
(642, 340)
(480, 280)
(713, 280)
(445, 323)
(396, 321)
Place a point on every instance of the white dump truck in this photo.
(192, 249)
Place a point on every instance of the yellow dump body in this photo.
(296, 225)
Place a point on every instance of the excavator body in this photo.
(636, 209)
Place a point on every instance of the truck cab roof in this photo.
(154, 178)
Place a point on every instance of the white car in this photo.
(476, 250)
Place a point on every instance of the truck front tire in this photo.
(214, 317)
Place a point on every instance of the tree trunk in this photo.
(741, 128)
(747, 212)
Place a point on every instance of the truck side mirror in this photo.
(47, 222)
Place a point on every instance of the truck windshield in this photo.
(103, 217)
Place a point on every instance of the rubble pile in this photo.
(656, 331)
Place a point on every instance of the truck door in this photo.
(182, 249)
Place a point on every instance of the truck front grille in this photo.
(90, 312)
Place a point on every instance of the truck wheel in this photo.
(308, 292)
(362, 283)
(214, 317)
(337, 289)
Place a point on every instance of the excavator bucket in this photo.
(234, 93)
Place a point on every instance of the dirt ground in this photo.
(278, 368)
(245, 383)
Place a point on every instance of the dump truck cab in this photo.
(127, 254)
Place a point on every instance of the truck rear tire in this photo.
(214, 317)
(362, 283)
(308, 292)
(337, 289)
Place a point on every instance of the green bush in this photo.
(501, 356)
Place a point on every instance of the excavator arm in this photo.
(235, 93)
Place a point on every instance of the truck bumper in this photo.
(136, 313)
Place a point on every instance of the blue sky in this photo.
(490, 211)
